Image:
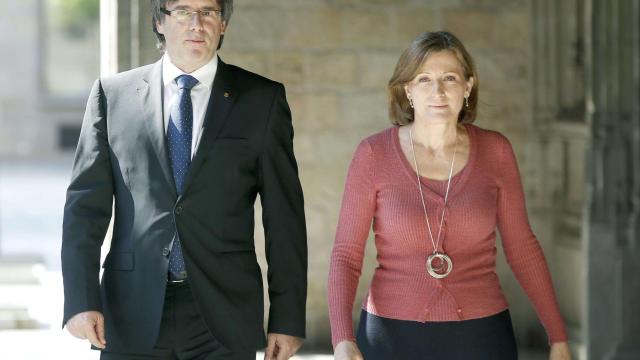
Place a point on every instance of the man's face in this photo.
(191, 42)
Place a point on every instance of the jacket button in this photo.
(166, 251)
(178, 209)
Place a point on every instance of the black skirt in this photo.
(388, 339)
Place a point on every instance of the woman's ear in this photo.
(469, 86)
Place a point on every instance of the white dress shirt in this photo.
(199, 94)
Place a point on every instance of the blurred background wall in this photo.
(559, 78)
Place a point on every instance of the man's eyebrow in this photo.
(185, 7)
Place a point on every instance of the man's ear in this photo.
(160, 27)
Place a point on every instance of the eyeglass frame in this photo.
(218, 13)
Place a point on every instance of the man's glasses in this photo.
(185, 15)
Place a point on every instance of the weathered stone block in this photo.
(311, 28)
(494, 5)
(284, 4)
(287, 67)
(314, 112)
(367, 28)
(333, 70)
(500, 69)
(254, 61)
(376, 68)
(365, 110)
(435, 4)
(255, 28)
(482, 29)
(411, 22)
(367, 3)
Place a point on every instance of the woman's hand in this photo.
(347, 350)
(560, 351)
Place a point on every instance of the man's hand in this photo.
(88, 325)
(281, 347)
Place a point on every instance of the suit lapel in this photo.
(221, 101)
(150, 92)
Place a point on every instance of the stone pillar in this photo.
(126, 37)
(556, 146)
(613, 272)
(628, 346)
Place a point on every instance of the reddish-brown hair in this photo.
(400, 111)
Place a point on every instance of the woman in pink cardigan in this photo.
(436, 188)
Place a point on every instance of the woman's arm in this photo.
(522, 250)
(356, 214)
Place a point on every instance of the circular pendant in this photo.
(439, 265)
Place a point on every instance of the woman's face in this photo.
(439, 88)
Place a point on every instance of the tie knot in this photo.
(186, 82)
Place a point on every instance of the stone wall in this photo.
(335, 58)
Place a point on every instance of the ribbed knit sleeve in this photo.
(522, 250)
(356, 214)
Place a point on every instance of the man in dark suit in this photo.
(178, 151)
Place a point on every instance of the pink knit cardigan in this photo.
(381, 186)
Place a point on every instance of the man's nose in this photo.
(196, 22)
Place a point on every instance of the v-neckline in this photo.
(457, 180)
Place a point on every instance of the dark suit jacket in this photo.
(246, 149)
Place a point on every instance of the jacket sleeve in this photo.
(87, 210)
(284, 222)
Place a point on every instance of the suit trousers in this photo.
(183, 333)
(488, 338)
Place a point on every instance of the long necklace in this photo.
(439, 264)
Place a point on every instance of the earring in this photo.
(410, 102)
(466, 101)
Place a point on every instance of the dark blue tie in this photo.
(179, 140)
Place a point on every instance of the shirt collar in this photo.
(204, 75)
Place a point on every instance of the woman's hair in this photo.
(409, 64)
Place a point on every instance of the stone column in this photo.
(127, 40)
(613, 271)
(558, 137)
(628, 346)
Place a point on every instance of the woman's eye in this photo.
(422, 80)
(450, 78)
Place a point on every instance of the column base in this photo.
(625, 352)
